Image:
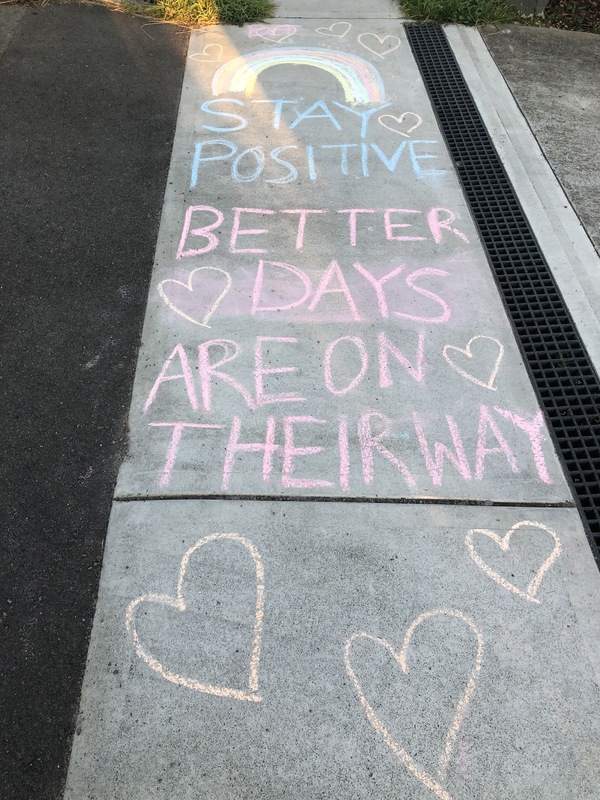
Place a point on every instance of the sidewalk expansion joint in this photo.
(289, 498)
(562, 373)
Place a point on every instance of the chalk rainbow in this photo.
(360, 80)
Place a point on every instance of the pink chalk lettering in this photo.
(268, 448)
(186, 374)
(174, 444)
(435, 465)
(258, 287)
(208, 371)
(364, 363)
(352, 220)
(377, 284)
(236, 232)
(370, 442)
(437, 225)
(204, 232)
(390, 226)
(333, 270)
(387, 348)
(303, 214)
(410, 281)
(344, 453)
(263, 399)
(533, 428)
(290, 450)
(486, 421)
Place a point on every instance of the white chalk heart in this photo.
(345, 26)
(164, 286)
(274, 33)
(178, 603)
(431, 782)
(467, 351)
(399, 120)
(205, 55)
(503, 543)
(381, 51)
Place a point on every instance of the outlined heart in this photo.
(178, 602)
(399, 120)
(431, 782)
(273, 33)
(382, 52)
(503, 543)
(190, 288)
(329, 31)
(467, 351)
(204, 55)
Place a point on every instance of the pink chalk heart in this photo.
(198, 298)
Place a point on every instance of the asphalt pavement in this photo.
(89, 102)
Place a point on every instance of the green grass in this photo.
(204, 12)
(466, 12)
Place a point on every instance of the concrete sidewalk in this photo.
(342, 557)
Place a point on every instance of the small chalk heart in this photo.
(399, 126)
(383, 50)
(205, 55)
(345, 26)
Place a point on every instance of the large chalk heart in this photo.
(178, 603)
(450, 349)
(504, 543)
(434, 783)
(204, 298)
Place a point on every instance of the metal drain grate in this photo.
(563, 375)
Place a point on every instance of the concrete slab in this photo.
(553, 75)
(341, 650)
(353, 9)
(557, 225)
(322, 319)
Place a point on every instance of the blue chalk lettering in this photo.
(308, 115)
(293, 172)
(416, 157)
(207, 107)
(198, 156)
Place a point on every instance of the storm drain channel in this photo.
(562, 373)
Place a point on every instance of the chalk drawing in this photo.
(345, 26)
(467, 351)
(382, 51)
(205, 55)
(273, 33)
(431, 782)
(360, 80)
(190, 288)
(399, 120)
(178, 602)
(503, 543)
